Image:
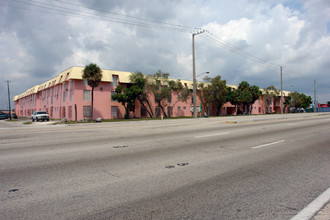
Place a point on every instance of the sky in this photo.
(241, 40)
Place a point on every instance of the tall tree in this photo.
(287, 102)
(140, 80)
(300, 100)
(306, 101)
(244, 95)
(93, 75)
(215, 92)
(161, 86)
(127, 97)
(270, 93)
(256, 93)
(232, 97)
(182, 92)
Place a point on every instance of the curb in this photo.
(314, 208)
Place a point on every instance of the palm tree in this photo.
(270, 94)
(93, 75)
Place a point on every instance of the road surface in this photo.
(251, 167)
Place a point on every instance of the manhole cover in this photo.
(170, 166)
(120, 146)
(182, 164)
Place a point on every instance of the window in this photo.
(143, 111)
(157, 111)
(87, 111)
(70, 112)
(114, 81)
(169, 111)
(184, 107)
(70, 95)
(70, 82)
(87, 95)
(112, 93)
(85, 83)
(169, 99)
(114, 111)
(63, 96)
(63, 112)
(179, 107)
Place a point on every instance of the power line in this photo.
(217, 41)
(128, 16)
(54, 9)
(141, 22)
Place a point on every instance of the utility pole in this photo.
(194, 70)
(9, 98)
(281, 91)
(314, 95)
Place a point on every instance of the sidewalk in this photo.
(323, 214)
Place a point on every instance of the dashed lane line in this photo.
(268, 144)
(211, 135)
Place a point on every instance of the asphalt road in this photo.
(252, 167)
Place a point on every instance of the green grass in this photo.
(115, 120)
(135, 119)
(122, 120)
(12, 120)
(27, 123)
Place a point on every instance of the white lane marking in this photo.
(265, 145)
(210, 135)
(309, 211)
(292, 124)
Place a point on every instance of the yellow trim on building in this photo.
(74, 73)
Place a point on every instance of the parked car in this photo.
(3, 116)
(14, 115)
(40, 115)
(297, 110)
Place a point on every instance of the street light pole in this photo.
(9, 99)
(194, 70)
(281, 93)
(314, 95)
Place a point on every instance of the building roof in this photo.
(74, 73)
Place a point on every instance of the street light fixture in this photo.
(202, 74)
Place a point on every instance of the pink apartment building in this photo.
(68, 96)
